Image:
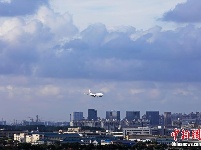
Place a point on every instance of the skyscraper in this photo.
(132, 115)
(77, 116)
(167, 119)
(92, 114)
(113, 115)
(153, 117)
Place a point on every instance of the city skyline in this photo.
(108, 115)
(142, 55)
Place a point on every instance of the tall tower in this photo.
(153, 117)
(167, 119)
(92, 114)
(113, 115)
(77, 116)
(132, 115)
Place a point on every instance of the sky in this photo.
(143, 55)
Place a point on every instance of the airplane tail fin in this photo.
(89, 91)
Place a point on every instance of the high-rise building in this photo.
(161, 119)
(2, 122)
(77, 116)
(113, 115)
(132, 115)
(167, 119)
(92, 114)
(153, 117)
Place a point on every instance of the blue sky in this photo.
(143, 55)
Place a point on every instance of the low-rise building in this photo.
(137, 131)
(8, 133)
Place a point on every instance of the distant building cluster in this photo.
(151, 126)
(113, 121)
(36, 121)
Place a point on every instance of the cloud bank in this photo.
(185, 12)
(39, 47)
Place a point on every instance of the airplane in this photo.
(95, 94)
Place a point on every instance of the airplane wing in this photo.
(94, 95)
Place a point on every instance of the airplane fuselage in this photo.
(95, 94)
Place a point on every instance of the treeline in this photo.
(76, 146)
(43, 128)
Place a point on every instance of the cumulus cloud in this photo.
(24, 43)
(20, 7)
(39, 47)
(185, 12)
(152, 55)
(20, 45)
(61, 25)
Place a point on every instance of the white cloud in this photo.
(50, 90)
(9, 87)
(10, 24)
(61, 25)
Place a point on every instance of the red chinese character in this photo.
(196, 134)
(175, 133)
(185, 134)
